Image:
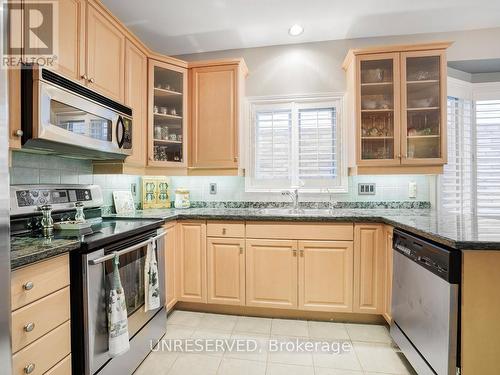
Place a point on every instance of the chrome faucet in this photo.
(294, 196)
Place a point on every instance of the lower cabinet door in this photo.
(388, 233)
(271, 273)
(369, 269)
(170, 265)
(226, 270)
(192, 261)
(326, 275)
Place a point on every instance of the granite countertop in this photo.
(456, 231)
(26, 249)
(462, 232)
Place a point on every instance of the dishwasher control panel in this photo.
(440, 260)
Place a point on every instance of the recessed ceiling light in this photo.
(295, 30)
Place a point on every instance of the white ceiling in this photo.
(190, 26)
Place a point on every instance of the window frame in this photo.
(296, 103)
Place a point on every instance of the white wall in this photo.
(316, 67)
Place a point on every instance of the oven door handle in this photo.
(125, 251)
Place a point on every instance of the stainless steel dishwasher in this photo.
(425, 304)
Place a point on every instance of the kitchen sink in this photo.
(291, 211)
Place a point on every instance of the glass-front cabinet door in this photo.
(423, 86)
(378, 109)
(167, 115)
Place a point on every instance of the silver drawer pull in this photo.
(29, 327)
(28, 285)
(28, 369)
(224, 231)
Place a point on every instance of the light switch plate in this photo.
(412, 189)
(366, 188)
(213, 188)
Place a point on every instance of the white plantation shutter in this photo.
(273, 131)
(317, 143)
(488, 156)
(295, 143)
(455, 192)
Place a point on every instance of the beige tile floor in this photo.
(372, 353)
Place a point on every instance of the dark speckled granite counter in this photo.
(26, 250)
(456, 231)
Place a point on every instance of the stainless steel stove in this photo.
(91, 272)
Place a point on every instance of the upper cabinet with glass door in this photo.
(395, 97)
(167, 120)
(378, 100)
(423, 107)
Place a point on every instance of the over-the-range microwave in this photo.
(62, 117)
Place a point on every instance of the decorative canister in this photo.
(182, 198)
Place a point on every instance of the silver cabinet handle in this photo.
(28, 285)
(241, 249)
(294, 252)
(29, 368)
(29, 327)
(19, 133)
(125, 251)
(224, 230)
(85, 77)
(91, 80)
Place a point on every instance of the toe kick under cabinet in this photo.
(41, 332)
(323, 267)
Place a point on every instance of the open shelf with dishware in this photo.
(397, 98)
(167, 122)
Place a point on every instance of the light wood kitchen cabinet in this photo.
(136, 90)
(167, 115)
(396, 104)
(226, 270)
(388, 233)
(216, 94)
(424, 107)
(71, 38)
(271, 273)
(40, 302)
(192, 275)
(326, 275)
(105, 58)
(369, 269)
(171, 243)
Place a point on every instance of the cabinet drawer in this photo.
(301, 231)
(225, 229)
(38, 280)
(45, 352)
(44, 315)
(62, 368)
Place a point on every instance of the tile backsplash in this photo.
(44, 169)
(392, 188)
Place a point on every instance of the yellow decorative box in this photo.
(155, 193)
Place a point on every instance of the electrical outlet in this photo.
(133, 189)
(412, 189)
(213, 188)
(366, 188)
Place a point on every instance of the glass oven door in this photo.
(98, 275)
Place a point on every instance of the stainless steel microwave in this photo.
(62, 117)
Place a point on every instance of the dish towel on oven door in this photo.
(118, 341)
(151, 282)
